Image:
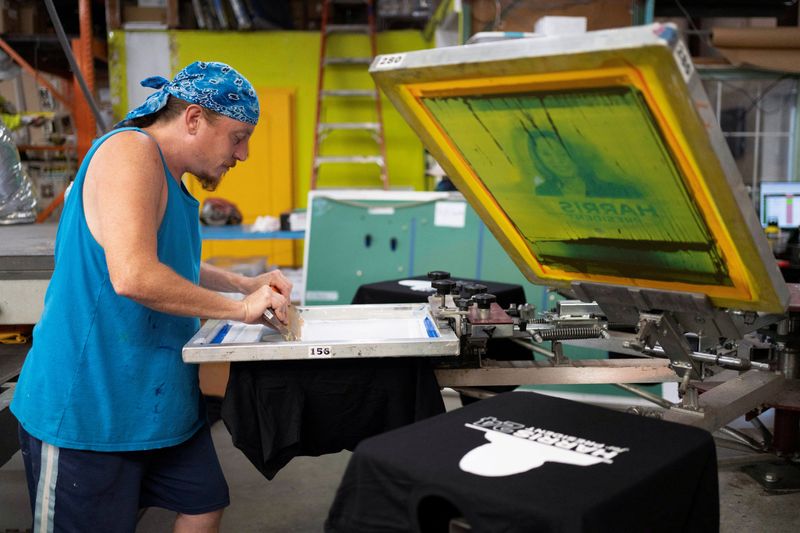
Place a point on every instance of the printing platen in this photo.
(329, 332)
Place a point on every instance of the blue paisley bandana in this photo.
(215, 86)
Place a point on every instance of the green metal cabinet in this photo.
(362, 237)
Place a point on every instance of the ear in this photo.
(193, 116)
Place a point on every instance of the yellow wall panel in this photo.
(291, 59)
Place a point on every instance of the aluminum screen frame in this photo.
(651, 60)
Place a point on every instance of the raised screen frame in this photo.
(650, 59)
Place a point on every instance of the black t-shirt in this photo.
(522, 462)
(276, 410)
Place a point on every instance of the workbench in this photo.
(26, 265)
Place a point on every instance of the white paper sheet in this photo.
(241, 333)
(450, 214)
(361, 329)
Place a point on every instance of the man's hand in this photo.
(270, 290)
(274, 279)
(263, 298)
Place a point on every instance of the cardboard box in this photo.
(9, 16)
(600, 14)
(32, 20)
(550, 25)
(136, 14)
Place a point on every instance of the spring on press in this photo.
(567, 333)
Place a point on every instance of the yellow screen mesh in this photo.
(587, 180)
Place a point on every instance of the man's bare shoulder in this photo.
(127, 156)
(128, 148)
(124, 188)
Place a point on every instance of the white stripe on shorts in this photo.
(46, 490)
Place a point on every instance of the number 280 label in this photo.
(389, 61)
(320, 351)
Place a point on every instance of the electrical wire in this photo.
(500, 15)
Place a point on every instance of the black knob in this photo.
(438, 274)
(456, 289)
(443, 286)
(484, 300)
(463, 303)
(471, 289)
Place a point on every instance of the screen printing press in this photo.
(598, 164)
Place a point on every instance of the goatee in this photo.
(208, 183)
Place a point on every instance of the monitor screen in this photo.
(780, 201)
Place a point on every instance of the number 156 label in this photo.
(320, 351)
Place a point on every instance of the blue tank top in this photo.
(105, 373)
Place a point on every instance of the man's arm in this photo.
(218, 279)
(124, 199)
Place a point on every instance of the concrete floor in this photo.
(298, 499)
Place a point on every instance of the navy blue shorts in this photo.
(79, 490)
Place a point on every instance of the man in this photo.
(111, 419)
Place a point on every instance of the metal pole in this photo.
(536, 349)
(62, 39)
(742, 438)
(756, 180)
(724, 360)
(473, 392)
(649, 396)
(19, 91)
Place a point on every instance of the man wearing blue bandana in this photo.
(111, 419)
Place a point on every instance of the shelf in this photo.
(44, 52)
(242, 232)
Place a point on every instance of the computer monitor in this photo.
(780, 200)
